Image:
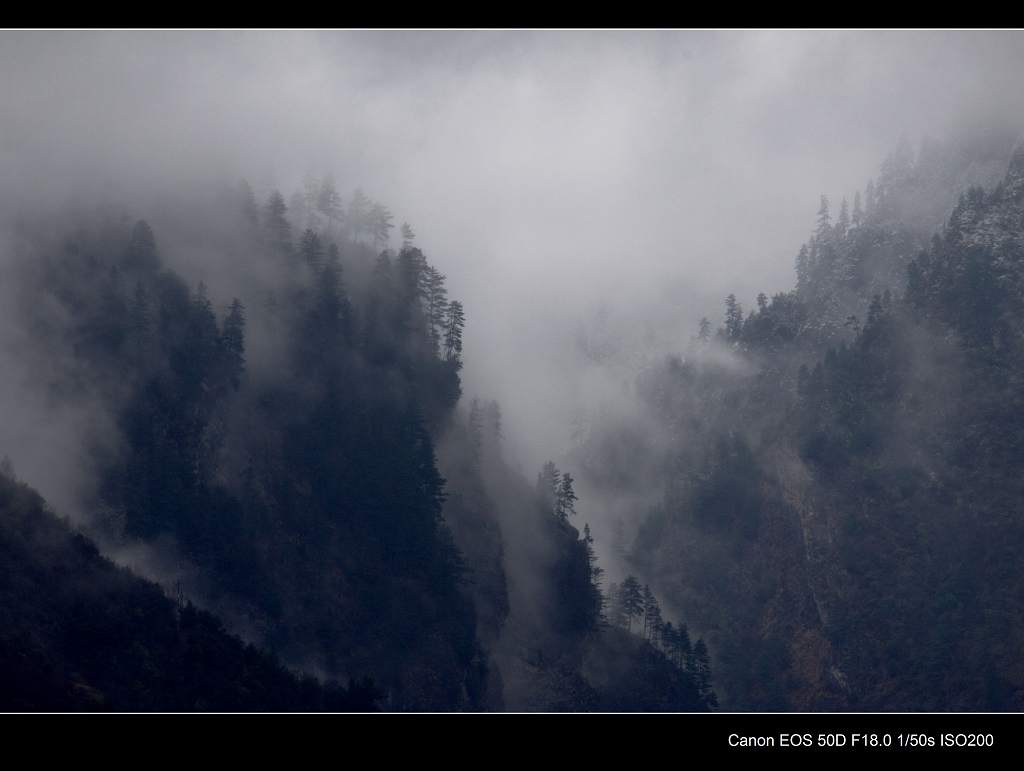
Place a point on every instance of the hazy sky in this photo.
(546, 174)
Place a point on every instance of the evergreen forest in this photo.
(330, 531)
(291, 504)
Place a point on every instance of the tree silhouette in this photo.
(311, 248)
(380, 224)
(328, 203)
(233, 339)
(565, 498)
(276, 225)
(632, 599)
(454, 323)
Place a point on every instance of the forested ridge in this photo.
(79, 634)
(297, 491)
(840, 470)
(834, 475)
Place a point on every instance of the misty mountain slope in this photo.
(78, 633)
(857, 253)
(304, 494)
(537, 585)
(277, 456)
(528, 571)
(848, 533)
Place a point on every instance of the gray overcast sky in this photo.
(545, 173)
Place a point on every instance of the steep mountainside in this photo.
(276, 455)
(842, 505)
(78, 633)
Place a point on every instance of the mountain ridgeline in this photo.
(840, 499)
(279, 456)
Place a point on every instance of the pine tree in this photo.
(476, 435)
(407, 235)
(492, 413)
(803, 271)
(139, 315)
(824, 220)
(632, 599)
(652, 613)
(733, 319)
(565, 498)
(454, 324)
(702, 674)
(311, 248)
(704, 332)
(843, 221)
(414, 274)
(380, 224)
(596, 576)
(328, 203)
(683, 649)
(276, 225)
(141, 255)
(437, 305)
(328, 324)
(616, 607)
(233, 339)
(870, 200)
(547, 484)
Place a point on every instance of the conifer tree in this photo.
(407, 235)
(437, 305)
(492, 418)
(702, 674)
(138, 315)
(141, 255)
(870, 200)
(632, 599)
(547, 484)
(843, 220)
(685, 648)
(233, 339)
(824, 220)
(454, 324)
(328, 203)
(652, 614)
(311, 248)
(616, 607)
(476, 435)
(704, 332)
(565, 498)
(276, 225)
(596, 576)
(380, 224)
(733, 319)
(803, 271)
(858, 212)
